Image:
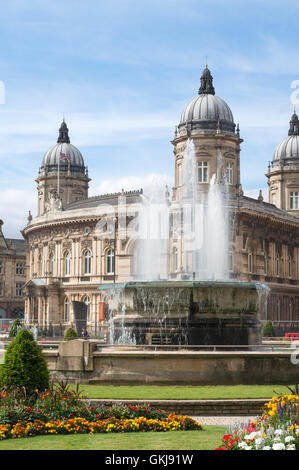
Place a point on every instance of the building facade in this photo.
(67, 260)
(12, 276)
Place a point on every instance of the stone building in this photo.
(67, 260)
(12, 276)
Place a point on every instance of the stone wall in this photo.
(79, 360)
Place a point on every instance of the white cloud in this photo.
(254, 193)
(14, 207)
(145, 182)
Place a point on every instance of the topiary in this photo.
(15, 327)
(24, 364)
(268, 329)
(70, 334)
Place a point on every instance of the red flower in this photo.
(39, 411)
(98, 415)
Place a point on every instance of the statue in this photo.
(54, 203)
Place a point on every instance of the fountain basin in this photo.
(187, 312)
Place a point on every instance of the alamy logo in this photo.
(295, 353)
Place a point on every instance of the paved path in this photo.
(223, 420)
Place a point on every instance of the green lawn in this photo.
(207, 439)
(152, 392)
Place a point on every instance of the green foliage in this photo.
(268, 330)
(24, 365)
(15, 327)
(70, 334)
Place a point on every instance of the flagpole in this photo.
(58, 176)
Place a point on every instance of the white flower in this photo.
(242, 445)
(278, 432)
(291, 447)
(247, 448)
(266, 448)
(278, 446)
(289, 438)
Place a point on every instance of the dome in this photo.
(288, 149)
(65, 153)
(207, 111)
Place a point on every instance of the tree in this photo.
(24, 364)
(15, 327)
(70, 334)
(268, 329)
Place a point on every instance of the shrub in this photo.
(15, 327)
(24, 364)
(70, 334)
(268, 329)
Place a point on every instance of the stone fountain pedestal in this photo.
(187, 312)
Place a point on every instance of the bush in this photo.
(70, 334)
(268, 329)
(15, 327)
(24, 364)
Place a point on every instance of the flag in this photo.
(63, 156)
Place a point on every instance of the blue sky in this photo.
(122, 71)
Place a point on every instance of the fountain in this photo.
(196, 304)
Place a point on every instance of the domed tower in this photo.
(209, 122)
(283, 172)
(63, 175)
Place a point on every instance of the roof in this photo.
(131, 196)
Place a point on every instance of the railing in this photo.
(200, 347)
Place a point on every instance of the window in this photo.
(250, 262)
(19, 289)
(277, 265)
(265, 265)
(110, 262)
(274, 199)
(230, 261)
(289, 267)
(21, 269)
(66, 309)
(1, 267)
(67, 264)
(51, 265)
(86, 300)
(180, 174)
(229, 173)
(1, 288)
(294, 200)
(175, 259)
(40, 266)
(87, 262)
(202, 172)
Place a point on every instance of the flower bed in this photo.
(277, 429)
(60, 411)
(84, 426)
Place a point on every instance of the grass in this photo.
(207, 439)
(152, 392)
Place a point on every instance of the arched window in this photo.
(66, 310)
(87, 262)
(67, 264)
(86, 300)
(110, 264)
